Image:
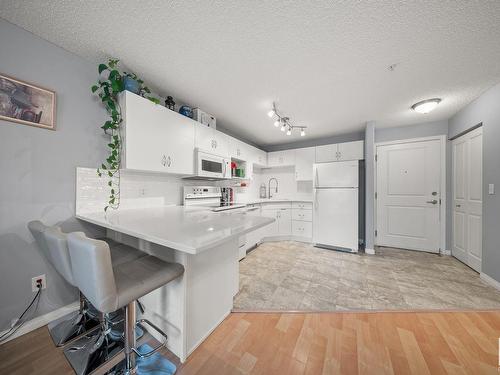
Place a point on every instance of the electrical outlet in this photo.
(36, 280)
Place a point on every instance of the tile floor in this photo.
(290, 275)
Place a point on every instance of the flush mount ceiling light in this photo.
(425, 106)
(285, 123)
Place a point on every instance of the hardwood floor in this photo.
(323, 343)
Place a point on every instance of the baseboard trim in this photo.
(370, 251)
(490, 280)
(42, 320)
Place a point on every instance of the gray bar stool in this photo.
(75, 323)
(53, 245)
(110, 288)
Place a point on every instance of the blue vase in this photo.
(131, 85)
(186, 111)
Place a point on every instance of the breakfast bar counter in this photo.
(205, 243)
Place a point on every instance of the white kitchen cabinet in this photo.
(272, 229)
(281, 158)
(302, 228)
(326, 153)
(282, 212)
(301, 214)
(302, 205)
(238, 149)
(351, 150)
(340, 152)
(259, 157)
(155, 138)
(284, 219)
(211, 140)
(304, 160)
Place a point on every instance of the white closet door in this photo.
(467, 177)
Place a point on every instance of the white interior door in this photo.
(409, 195)
(467, 177)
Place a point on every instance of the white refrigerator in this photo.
(336, 203)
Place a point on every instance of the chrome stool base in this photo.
(94, 349)
(70, 326)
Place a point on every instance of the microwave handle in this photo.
(224, 162)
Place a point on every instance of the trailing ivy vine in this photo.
(109, 86)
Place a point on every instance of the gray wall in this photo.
(37, 166)
(356, 136)
(370, 185)
(428, 129)
(486, 109)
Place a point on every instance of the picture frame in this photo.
(25, 103)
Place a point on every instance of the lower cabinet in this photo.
(292, 220)
(302, 228)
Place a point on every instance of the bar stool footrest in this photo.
(141, 323)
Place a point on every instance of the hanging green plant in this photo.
(108, 89)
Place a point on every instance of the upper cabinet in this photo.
(210, 140)
(155, 138)
(239, 150)
(260, 157)
(340, 152)
(304, 160)
(281, 158)
(351, 150)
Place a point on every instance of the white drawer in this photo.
(275, 205)
(303, 215)
(302, 228)
(302, 205)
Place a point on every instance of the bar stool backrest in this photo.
(93, 271)
(57, 243)
(37, 228)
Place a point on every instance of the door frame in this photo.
(442, 209)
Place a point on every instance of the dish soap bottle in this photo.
(262, 191)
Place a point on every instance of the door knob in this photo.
(458, 205)
(434, 201)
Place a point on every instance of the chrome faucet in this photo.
(269, 186)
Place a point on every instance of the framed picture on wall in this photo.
(27, 104)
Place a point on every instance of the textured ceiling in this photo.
(324, 62)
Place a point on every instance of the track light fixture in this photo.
(286, 125)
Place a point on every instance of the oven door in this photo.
(211, 166)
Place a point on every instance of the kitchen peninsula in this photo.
(203, 241)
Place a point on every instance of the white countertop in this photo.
(277, 200)
(191, 230)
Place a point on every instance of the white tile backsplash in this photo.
(140, 189)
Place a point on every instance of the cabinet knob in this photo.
(164, 160)
(169, 161)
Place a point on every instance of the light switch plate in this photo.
(491, 189)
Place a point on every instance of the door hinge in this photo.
(376, 195)
(376, 233)
(376, 157)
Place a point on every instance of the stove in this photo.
(214, 197)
